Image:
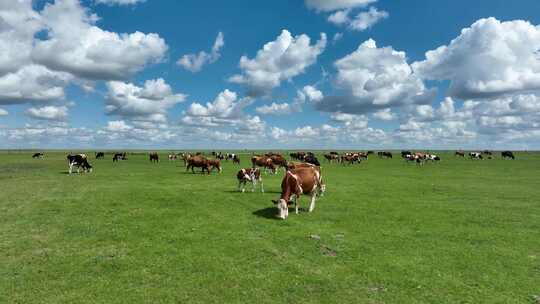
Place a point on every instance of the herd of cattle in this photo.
(303, 174)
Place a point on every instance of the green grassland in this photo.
(460, 231)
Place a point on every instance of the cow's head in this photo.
(283, 208)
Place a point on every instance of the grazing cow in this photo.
(38, 155)
(265, 162)
(405, 154)
(384, 154)
(100, 155)
(475, 155)
(199, 162)
(236, 159)
(119, 156)
(433, 157)
(252, 175)
(487, 152)
(230, 156)
(350, 159)
(172, 157)
(414, 158)
(331, 157)
(311, 159)
(460, 154)
(295, 183)
(507, 154)
(215, 164)
(154, 157)
(79, 160)
(298, 155)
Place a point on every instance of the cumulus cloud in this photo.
(3, 112)
(147, 103)
(487, 60)
(119, 2)
(279, 60)
(365, 20)
(195, 62)
(52, 113)
(385, 114)
(375, 79)
(75, 45)
(32, 83)
(307, 93)
(333, 5)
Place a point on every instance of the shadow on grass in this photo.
(268, 213)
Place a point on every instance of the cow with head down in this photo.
(296, 182)
(198, 161)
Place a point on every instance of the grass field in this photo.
(460, 231)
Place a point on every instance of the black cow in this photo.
(507, 154)
(311, 159)
(384, 154)
(38, 155)
(100, 155)
(79, 160)
(119, 156)
(405, 154)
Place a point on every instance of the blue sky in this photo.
(109, 74)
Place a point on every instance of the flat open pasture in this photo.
(460, 231)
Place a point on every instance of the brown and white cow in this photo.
(295, 183)
(264, 162)
(252, 175)
(279, 161)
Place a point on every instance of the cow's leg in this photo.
(262, 186)
(312, 204)
(70, 167)
(296, 204)
(253, 184)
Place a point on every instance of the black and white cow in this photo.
(507, 154)
(79, 160)
(475, 155)
(38, 155)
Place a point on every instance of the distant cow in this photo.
(432, 157)
(487, 152)
(475, 155)
(119, 156)
(198, 161)
(384, 154)
(331, 157)
(264, 162)
(311, 159)
(251, 175)
(172, 157)
(79, 161)
(295, 183)
(100, 155)
(404, 154)
(236, 159)
(38, 155)
(460, 154)
(278, 161)
(507, 154)
(154, 157)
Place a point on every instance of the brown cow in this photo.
(199, 162)
(278, 161)
(215, 164)
(295, 183)
(252, 175)
(263, 161)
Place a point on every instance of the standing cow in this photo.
(507, 154)
(154, 157)
(252, 175)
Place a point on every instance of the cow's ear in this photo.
(275, 202)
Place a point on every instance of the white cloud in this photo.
(365, 20)
(53, 113)
(279, 60)
(275, 109)
(32, 83)
(147, 103)
(119, 2)
(309, 93)
(226, 105)
(340, 17)
(333, 5)
(195, 62)
(488, 60)
(3, 112)
(118, 126)
(373, 79)
(385, 114)
(77, 46)
(337, 37)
